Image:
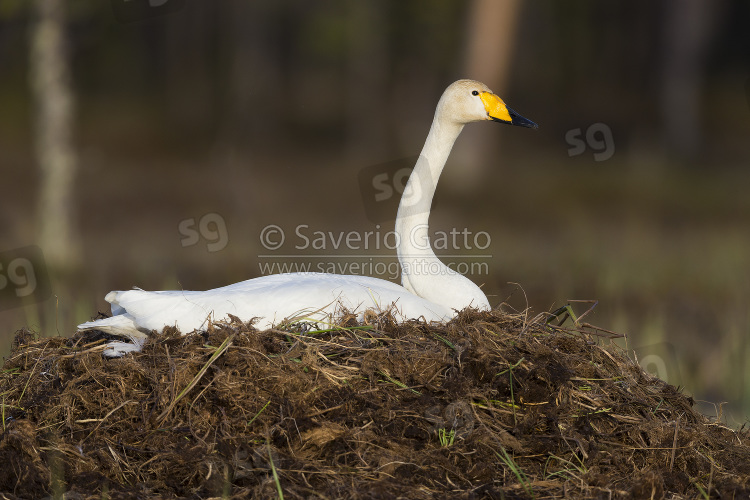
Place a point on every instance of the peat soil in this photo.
(490, 405)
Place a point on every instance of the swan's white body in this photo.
(430, 290)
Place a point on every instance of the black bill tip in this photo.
(519, 120)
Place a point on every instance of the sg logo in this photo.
(385, 186)
(211, 227)
(23, 278)
(660, 360)
(598, 137)
(382, 186)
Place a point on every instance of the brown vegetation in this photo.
(490, 405)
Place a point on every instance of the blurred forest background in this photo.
(122, 130)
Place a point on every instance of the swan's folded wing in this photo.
(269, 299)
(186, 310)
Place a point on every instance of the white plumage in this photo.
(431, 290)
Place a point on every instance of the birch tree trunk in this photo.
(489, 55)
(53, 124)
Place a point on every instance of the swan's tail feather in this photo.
(121, 325)
(119, 349)
(116, 325)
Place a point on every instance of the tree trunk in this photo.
(53, 124)
(489, 53)
(688, 27)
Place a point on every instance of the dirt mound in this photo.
(489, 406)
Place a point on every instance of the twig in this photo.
(105, 418)
(221, 350)
(674, 442)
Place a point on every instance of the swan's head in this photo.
(467, 101)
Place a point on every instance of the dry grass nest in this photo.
(490, 405)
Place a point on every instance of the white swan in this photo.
(430, 289)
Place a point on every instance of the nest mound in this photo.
(488, 406)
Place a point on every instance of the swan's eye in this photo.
(474, 92)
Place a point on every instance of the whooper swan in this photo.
(430, 289)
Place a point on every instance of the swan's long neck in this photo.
(414, 208)
(422, 272)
